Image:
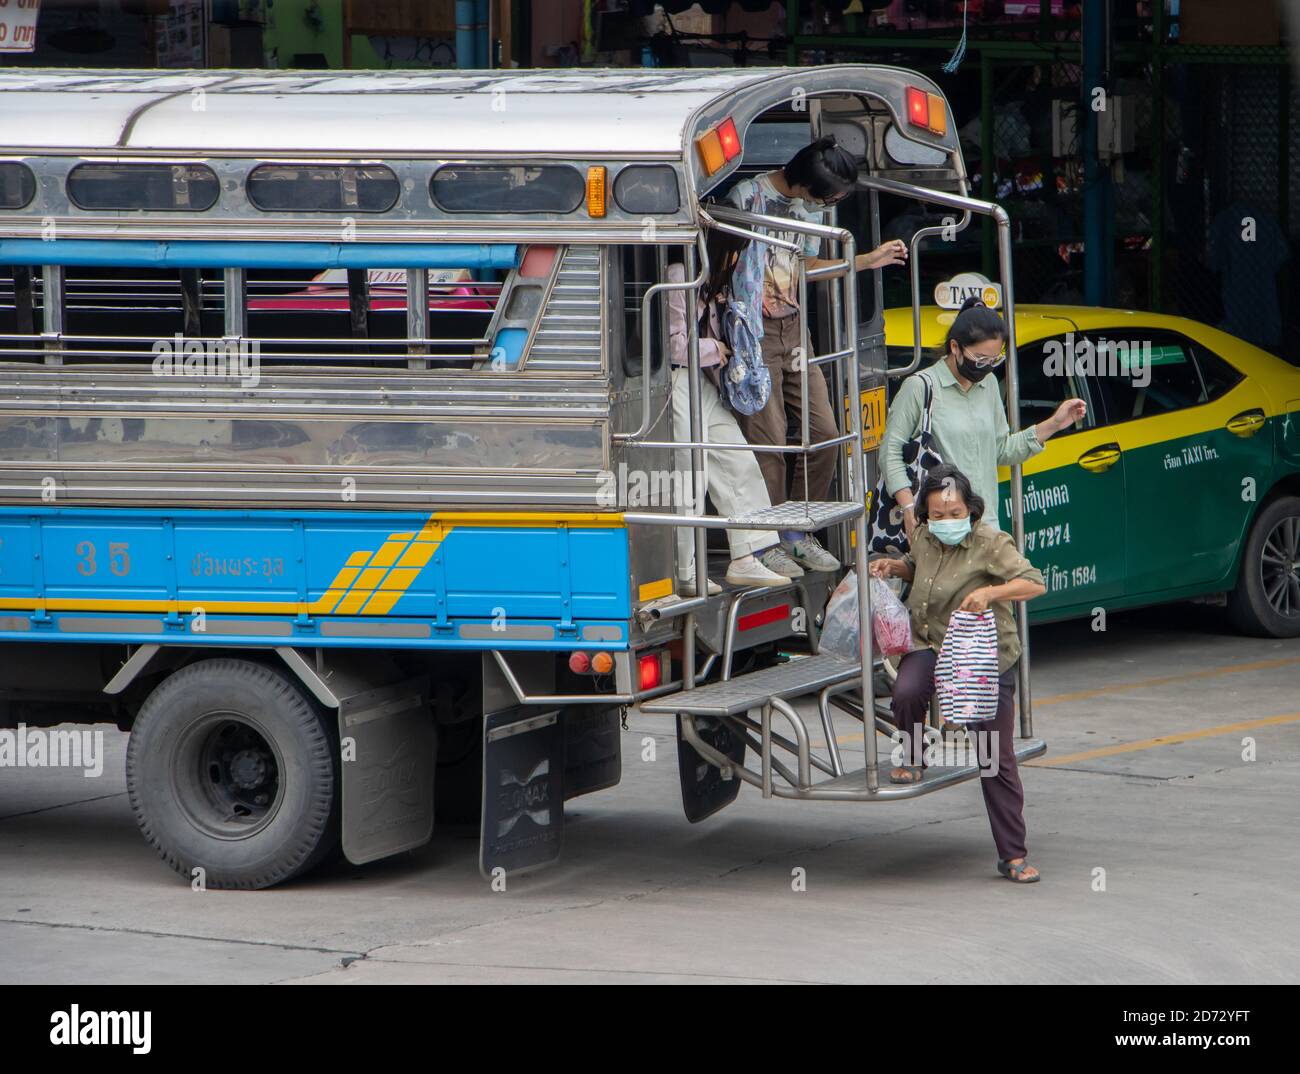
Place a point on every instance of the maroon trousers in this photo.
(1004, 798)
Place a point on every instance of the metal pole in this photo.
(858, 463)
(988, 160)
(417, 316)
(52, 312)
(700, 536)
(1017, 493)
(1158, 159)
(1096, 25)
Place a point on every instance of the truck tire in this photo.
(232, 769)
(1266, 602)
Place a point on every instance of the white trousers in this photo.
(733, 478)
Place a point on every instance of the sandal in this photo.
(906, 774)
(1015, 872)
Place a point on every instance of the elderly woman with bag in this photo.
(965, 575)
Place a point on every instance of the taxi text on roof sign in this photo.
(950, 294)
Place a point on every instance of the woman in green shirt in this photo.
(969, 421)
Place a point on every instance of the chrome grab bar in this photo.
(646, 353)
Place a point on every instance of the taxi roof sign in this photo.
(950, 294)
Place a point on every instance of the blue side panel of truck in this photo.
(450, 580)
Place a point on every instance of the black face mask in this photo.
(973, 373)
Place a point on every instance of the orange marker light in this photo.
(918, 107)
(602, 663)
(709, 146)
(596, 191)
(938, 114)
(729, 138)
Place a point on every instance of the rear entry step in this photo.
(800, 676)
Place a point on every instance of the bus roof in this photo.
(641, 112)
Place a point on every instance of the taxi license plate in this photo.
(873, 417)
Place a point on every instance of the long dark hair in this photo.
(723, 250)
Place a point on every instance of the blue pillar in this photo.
(1098, 233)
(482, 19)
(466, 40)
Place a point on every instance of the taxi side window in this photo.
(1156, 373)
(1042, 388)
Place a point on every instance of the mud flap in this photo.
(592, 749)
(390, 754)
(522, 827)
(704, 791)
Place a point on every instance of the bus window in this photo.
(17, 185)
(160, 187)
(647, 188)
(507, 188)
(314, 189)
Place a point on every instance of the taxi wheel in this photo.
(1266, 602)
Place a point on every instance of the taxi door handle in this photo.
(1100, 459)
(1247, 423)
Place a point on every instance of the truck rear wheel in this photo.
(1266, 602)
(233, 770)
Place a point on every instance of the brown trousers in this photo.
(1004, 797)
(781, 342)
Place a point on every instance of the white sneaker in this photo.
(778, 559)
(748, 571)
(686, 587)
(809, 554)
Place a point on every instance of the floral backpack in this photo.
(746, 384)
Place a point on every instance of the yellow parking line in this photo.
(1163, 740)
(1140, 684)
(1165, 680)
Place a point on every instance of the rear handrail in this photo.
(646, 353)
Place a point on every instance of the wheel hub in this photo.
(248, 769)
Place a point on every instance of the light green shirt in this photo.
(970, 433)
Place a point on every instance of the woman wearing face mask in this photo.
(958, 561)
(969, 421)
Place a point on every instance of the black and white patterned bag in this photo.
(966, 671)
(920, 457)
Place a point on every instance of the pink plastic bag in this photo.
(891, 623)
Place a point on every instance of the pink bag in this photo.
(891, 623)
(966, 672)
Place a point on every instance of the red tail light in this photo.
(729, 138)
(651, 671)
(918, 107)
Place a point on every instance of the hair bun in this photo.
(974, 302)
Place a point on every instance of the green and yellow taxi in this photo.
(1182, 482)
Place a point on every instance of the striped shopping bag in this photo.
(966, 672)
